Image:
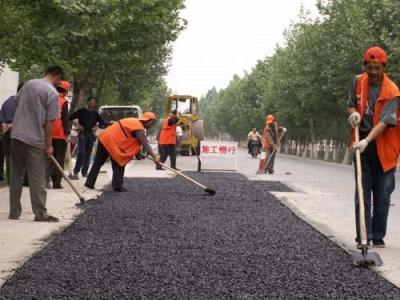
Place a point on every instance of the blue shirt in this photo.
(7, 111)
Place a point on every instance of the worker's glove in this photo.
(354, 119)
(284, 129)
(362, 145)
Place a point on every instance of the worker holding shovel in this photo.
(372, 108)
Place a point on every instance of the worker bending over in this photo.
(121, 141)
(373, 106)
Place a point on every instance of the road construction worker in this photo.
(60, 134)
(87, 120)
(121, 141)
(373, 107)
(167, 139)
(270, 142)
(254, 140)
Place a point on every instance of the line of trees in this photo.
(115, 50)
(305, 82)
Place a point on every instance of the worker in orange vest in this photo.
(167, 140)
(60, 134)
(270, 142)
(373, 107)
(121, 141)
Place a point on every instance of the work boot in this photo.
(74, 176)
(120, 190)
(378, 243)
(13, 217)
(57, 186)
(159, 168)
(359, 246)
(49, 219)
(89, 186)
(175, 168)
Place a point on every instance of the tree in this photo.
(99, 43)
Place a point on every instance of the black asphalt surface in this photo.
(166, 239)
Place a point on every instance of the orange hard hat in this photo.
(375, 54)
(269, 119)
(64, 85)
(147, 116)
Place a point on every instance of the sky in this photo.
(227, 37)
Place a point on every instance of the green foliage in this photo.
(305, 83)
(104, 45)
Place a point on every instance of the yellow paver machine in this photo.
(193, 126)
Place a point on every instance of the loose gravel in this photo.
(166, 239)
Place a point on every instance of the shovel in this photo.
(206, 189)
(363, 258)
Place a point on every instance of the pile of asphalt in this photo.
(166, 239)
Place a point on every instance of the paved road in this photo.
(173, 242)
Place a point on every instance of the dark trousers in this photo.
(1, 159)
(99, 160)
(60, 148)
(270, 166)
(32, 160)
(6, 143)
(168, 151)
(86, 140)
(379, 185)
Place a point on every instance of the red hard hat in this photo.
(64, 85)
(269, 119)
(147, 116)
(375, 54)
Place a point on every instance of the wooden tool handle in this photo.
(180, 174)
(60, 169)
(360, 191)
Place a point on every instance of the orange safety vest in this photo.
(58, 129)
(266, 143)
(388, 143)
(167, 133)
(119, 142)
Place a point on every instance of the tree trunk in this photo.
(78, 87)
(347, 160)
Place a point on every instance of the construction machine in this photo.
(192, 126)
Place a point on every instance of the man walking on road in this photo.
(270, 142)
(60, 134)
(372, 106)
(87, 120)
(121, 141)
(31, 142)
(167, 140)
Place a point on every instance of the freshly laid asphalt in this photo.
(166, 239)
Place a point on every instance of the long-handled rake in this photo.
(206, 189)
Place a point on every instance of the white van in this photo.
(117, 112)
